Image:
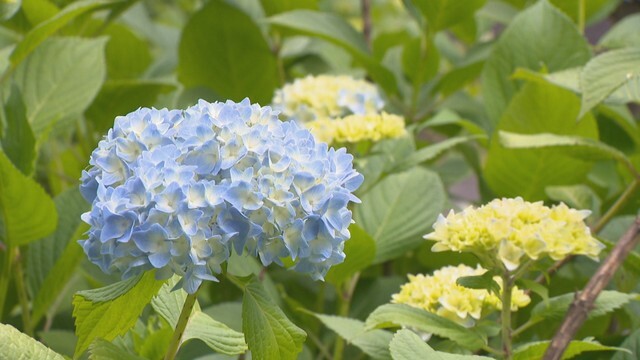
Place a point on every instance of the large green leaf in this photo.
(407, 345)
(18, 346)
(18, 141)
(360, 251)
(625, 33)
(538, 107)
(268, 331)
(556, 307)
(60, 79)
(127, 55)
(579, 147)
(391, 315)
(614, 71)
(536, 350)
(442, 14)
(399, 210)
(40, 33)
(336, 30)
(50, 262)
(521, 45)
(28, 213)
(374, 343)
(112, 310)
(632, 343)
(223, 49)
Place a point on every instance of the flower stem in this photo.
(22, 294)
(176, 339)
(506, 314)
(343, 310)
(5, 276)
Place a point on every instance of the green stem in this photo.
(523, 328)
(506, 314)
(343, 310)
(22, 294)
(5, 276)
(581, 16)
(176, 339)
(619, 204)
(488, 349)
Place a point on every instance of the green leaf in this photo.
(420, 61)
(535, 350)
(268, 331)
(556, 307)
(442, 14)
(223, 49)
(391, 315)
(537, 108)
(578, 197)
(52, 261)
(391, 215)
(215, 334)
(28, 213)
(18, 346)
(580, 147)
(631, 343)
(407, 345)
(430, 152)
(614, 71)
(360, 251)
(121, 97)
(40, 33)
(624, 33)
(337, 31)
(60, 79)
(482, 282)
(104, 350)
(374, 343)
(112, 310)
(168, 303)
(18, 141)
(520, 46)
(127, 55)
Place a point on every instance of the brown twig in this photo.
(584, 300)
(365, 6)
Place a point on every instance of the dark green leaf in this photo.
(18, 141)
(28, 213)
(520, 46)
(482, 282)
(442, 14)
(223, 49)
(557, 306)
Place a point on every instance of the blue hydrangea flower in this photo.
(177, 191)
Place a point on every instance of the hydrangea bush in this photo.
(177, 191)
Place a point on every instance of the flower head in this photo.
(512, 229)
(440, 294)
(177, 191)
(338, 109)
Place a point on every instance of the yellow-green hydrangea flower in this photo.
(338, 109)
(513, 229)
(439, 294)
(326, 96)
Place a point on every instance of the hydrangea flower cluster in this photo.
(439, 294)
(177, 191)
(513, 229)
(338, 108)
(356, 128)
